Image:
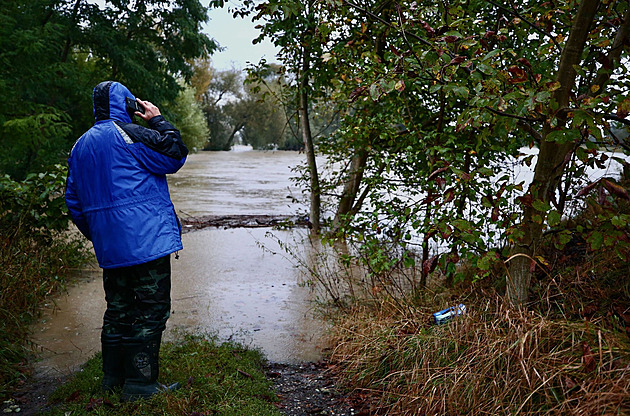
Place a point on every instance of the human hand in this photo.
(150, 110)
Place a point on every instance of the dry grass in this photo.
(493, 361)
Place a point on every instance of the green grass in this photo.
(217, 379)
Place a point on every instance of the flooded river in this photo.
(234, 283)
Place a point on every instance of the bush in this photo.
(36, 254)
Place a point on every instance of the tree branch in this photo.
(529, 129)
(536, 28)
(614, 54)
(501, 113)
(386, 23)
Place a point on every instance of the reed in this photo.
(34, 266)
(493, 360)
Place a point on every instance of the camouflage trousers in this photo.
(138, 299)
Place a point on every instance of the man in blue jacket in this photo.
(118, 197)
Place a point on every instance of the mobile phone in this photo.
(133, 105)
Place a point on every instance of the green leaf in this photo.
(461, 91)
(618, 221)
(563, 136)
(595, 240)
(543, 97)
(540, 205)
(486, 69)
(553, 218)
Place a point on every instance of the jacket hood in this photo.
(109, 102)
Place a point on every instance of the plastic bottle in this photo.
(447, 314)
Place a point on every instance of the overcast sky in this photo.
(236, 35)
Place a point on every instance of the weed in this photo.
(36, 254)
(217, 379)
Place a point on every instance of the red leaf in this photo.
(93, 404)
(74, 397)
(437, 172)
(449, 195)
(588, 188)
(441, 182)
(429, 265)
(525, 62)
(518, 74)
(616, 189)
(428, 28)
(454, 257)
(449, 39)
(605, 61)
(623, 109)
(587, 358)
(356, 93)
(495, 214)
(457, 60)
(489, 33)
(526, 200)
(532, 266)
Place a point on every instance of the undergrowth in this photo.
(217, 379)
(567, 352)
(492, 361)
(36, 256)
(31, 270)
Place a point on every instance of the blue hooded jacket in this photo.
(116, 190)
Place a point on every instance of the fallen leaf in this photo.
(588, 358)
(244, 373)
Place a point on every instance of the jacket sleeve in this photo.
(74, 206)
(160, 148)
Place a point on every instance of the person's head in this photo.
(109, 102)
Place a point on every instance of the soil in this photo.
(310, 389)
(303, 390)
(32, 397)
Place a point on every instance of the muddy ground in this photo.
(303, 389)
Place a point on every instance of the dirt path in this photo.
(304, 390)
(308, 389)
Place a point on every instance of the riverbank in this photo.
(217, 379)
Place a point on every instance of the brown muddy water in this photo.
(237, 284)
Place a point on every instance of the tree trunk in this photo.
(230, 141)
(552, 159)
(307, 137)
(66, 48)
(350, 189)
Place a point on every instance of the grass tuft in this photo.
(217, 379)
(491, 361)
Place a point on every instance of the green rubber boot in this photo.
(142, 369)
(113, 362)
